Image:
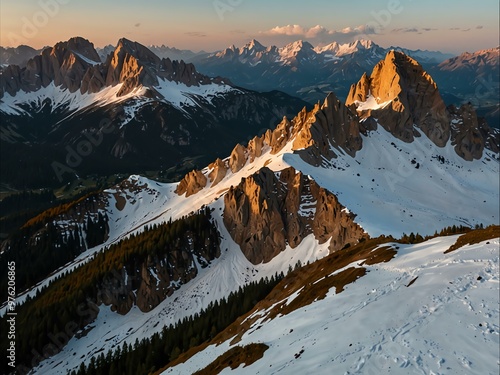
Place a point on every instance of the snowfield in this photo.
(446, 322)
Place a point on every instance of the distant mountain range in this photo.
(309, 72)
(301, 69)
(17, 55)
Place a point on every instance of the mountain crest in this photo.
(64, 64)
(76, 65)
(401, 95)
(254, 45)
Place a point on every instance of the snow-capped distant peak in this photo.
(358, 45)
(254, 45)
(330, 48)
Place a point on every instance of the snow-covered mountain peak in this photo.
(254, 45)
(356, 46)
(330, 48)
(296, 47)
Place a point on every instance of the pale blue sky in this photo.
(447, 25)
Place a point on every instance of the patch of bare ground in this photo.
(475, 237)
(234, 357)
(120, 201)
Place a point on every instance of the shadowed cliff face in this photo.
(411, 97)
(268, 211)
(64, 64)
(149, 282)
(471, 135)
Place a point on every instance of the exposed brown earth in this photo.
(235, 357)
(475, 237)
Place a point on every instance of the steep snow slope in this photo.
(177, 94)
(446, 322)
(225, 274)
(397, 187)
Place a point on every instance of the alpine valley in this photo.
(358, 234)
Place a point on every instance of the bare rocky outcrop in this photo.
(333, 126)
(154, 279)
(131, 64)
(238, 158)
(255, 148)
(471, 135)
(65, 64)
(218, 171)
(268, 211)
(405, 96)
(192, 183)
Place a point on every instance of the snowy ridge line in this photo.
(171, 92)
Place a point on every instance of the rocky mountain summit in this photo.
(76, 65)
(404, 99)
(65, 65)
(402, 95)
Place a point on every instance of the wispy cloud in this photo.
(413, 30)
(405, 30)
(196, 34)
(317, 31)
(468, 29)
